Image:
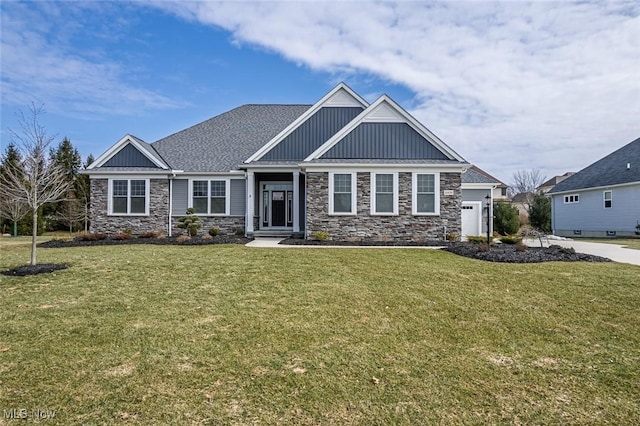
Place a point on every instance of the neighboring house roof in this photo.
(523, 197)
(619, 167)
(548, 185)
(223, 142)
(476, 175)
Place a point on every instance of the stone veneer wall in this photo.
(364, 226)
(158, 210)
(226, 224)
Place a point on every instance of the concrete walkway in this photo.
(269, 242)
(615, 252)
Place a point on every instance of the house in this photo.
(344, 166)
(601, 200)
(551, 183)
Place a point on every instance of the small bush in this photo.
(510, 239)
(477, 239)
(563, 250)
(191, 223)
(91, 236)
(127, 231)
(452, 236)
(207, 237)
(239, 232)
(321, 235)
(183, 238)
(505, 218)
(122, 236)
(519, 247)
(484, 247)
(151, 234)
(214, 232)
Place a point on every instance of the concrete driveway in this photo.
(615, 252)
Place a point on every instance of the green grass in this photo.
(233, 335)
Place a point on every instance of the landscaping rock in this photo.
(509, 253)
(196, 241)
(41, 268)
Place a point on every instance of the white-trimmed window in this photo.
(608, 199)
(129, 197)
(384, 193)
(426, 194)
(572, 199)
(210, 197)
(342, 193)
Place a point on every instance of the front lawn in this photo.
(152, 335)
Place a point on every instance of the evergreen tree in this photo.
(68, 159)
(505, 218)
(540, 213)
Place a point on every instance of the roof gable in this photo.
(385, 131)
(618, 168)
(132, 152)
(340, 97)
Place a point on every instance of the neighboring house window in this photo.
(384, 193)
(129, 196)
(342, 193)
(607, 199)
(503, 192)
(571, 199)
(426, 199)
(209, 196)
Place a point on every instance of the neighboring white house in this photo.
(602, 200)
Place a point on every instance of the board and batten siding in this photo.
(384, 141)
(129, 156)
(591, 217)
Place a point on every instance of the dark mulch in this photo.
(196, 241)
(508, 253)
(41, 268)
(364, 243)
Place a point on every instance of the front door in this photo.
(278, 211)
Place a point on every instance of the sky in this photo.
(509, 85)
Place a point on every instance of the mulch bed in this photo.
(196, 241)
(508, 253)
(41, 268)
(365, 243)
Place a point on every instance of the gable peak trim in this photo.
(127, 139)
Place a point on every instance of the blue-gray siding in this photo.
(180, 197)
(385, 141)
(312, 133)
(591, 217)
(129, 156)
(238, 197)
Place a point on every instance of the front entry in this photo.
(276, 210)
(471, 218)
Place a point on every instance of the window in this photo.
(129, 197)
(384, 189)
(209, 196)
(342, 193)
(571, 199)
(607, 199)
(426, 199)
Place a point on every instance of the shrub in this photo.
(91, 236)
(151, 234)
(510, 239)
(183, 238)
(563, 250)
(126, 231)
(207, 237)
(505, 218)
(484, 247)
(191, 223)
(239, 232)
(321, 235)
(521, 247)
(214, 232)
(122, 236)
(540, 213)
(452, 236)
(477, 239)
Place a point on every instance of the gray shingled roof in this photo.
(610, 170)
(222, 143)
(473, 176)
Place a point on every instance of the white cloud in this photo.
(512, 85)
(40, 62)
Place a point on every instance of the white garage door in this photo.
(471, 218)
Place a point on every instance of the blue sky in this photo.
(509, 85)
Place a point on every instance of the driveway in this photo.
(615, 252)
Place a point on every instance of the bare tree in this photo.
(526, 182)
(71, 213)
(39, 180)
(12, 209)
